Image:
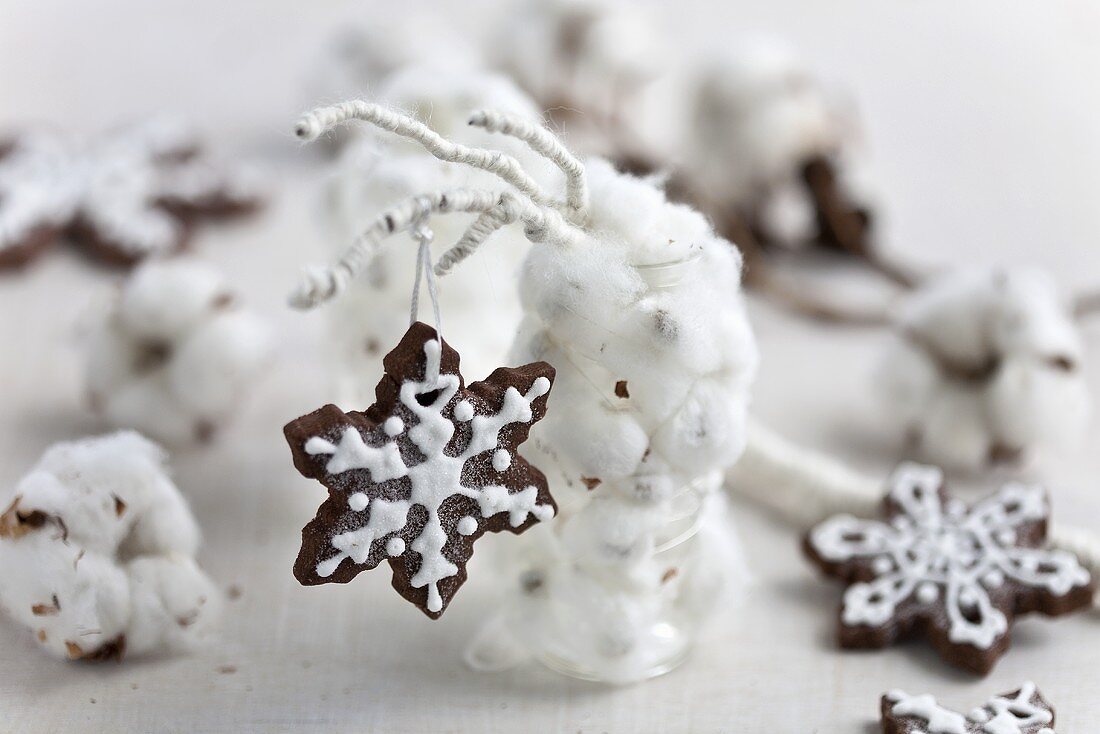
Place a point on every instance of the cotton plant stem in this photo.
(1086, 304)
(803, 487)
(762, 277)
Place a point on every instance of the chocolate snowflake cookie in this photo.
(954, 573)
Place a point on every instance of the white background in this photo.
(982, 120)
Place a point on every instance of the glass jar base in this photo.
(665, 648)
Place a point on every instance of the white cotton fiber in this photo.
(176, 355)
(167, 302)
(587, 55)
(986, 367)
(97, 553)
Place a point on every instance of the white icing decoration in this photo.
(927, 593)
(467, 525)
(432, 481)
(358, 501)
(34, 192)
(962, 556)
(501, 460)
(464, 411)
(395, 546)
(393, 426)
(1021, 714)
(938, 719)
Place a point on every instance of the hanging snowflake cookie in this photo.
(957, 574)
(1024, 711)
(422, 473)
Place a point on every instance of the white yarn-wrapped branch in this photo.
(804, 487)
(801, 485)
(322, 284)
(546, 144)
(322, 119)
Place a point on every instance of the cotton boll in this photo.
(951, 317)
(357, 60)
(717, 572)
(219, 362)
(175, 356)
(96, 552)
(986, 368)
(588, 55)
(707, 430)
(165, 300)
(173, 604)
(910, 378)
(955, 428)
(1031, 403)
(600, 443)
(757, 116)
(611, 532)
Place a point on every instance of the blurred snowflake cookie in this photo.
(97, 553)
(1023, 711)
(176, 355)
(121, 197)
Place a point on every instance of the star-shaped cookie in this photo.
(422, 473)
(956, 574)
(1024, 711)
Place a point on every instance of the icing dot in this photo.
(1006, 536)
(993, 579)
(393, 426)
(978, 716)
(358, 501)
(501, 460)
(927, 593)
(464, 411)
(968, 598)
(395, 546)
(541, 386)
(881, 565)
(467, 525)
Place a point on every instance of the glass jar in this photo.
(618, 587)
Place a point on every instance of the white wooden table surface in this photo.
(983, 120)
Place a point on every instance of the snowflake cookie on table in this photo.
(423, 473)
(97, 553)
(1023, 711)
(130, 194)
(957, 574)
(176, 354)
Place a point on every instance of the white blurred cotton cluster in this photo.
(97, 553)
(176, 355)
(478, 301)
(643, 320)
(756, 117)
(985, 367)
(589, 56)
